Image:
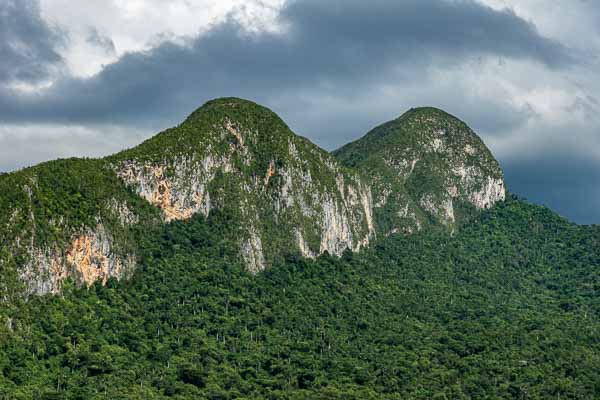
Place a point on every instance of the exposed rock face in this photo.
(92, 258)
(180, 194)
(489, 193)
(44, 272)
(252, 251)
(88, 259)
(125, 215)
(336, 235)
(305, 250)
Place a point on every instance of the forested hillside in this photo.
(229, 258)
(507, 307)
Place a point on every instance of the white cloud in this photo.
(573, 22)
(26, 145)
(138, 25)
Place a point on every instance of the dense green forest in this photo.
(507, 307)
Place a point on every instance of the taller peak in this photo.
(225, 104)
(428, 111)
(238, 157)
(217, 124)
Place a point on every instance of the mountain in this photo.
(284, 191)
(83, 218)
(425, 167)
(228, 258)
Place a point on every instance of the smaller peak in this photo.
(415, 121)
(430, 119)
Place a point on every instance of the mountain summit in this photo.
(282, 194)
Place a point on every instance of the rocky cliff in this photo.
(81, 218)
(67, 218)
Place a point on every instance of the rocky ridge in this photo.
(423, 170)
(67, 218)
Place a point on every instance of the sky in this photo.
(89, 78)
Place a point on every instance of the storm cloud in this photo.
(568, 186)
(28, 45)
(349, 44)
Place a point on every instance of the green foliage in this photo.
(506, 308)
(265, 135)
(60, 194)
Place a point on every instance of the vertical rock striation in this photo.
(88, 258)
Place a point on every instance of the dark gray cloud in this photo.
(567, 185)
(347, 45)
(28, 45)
